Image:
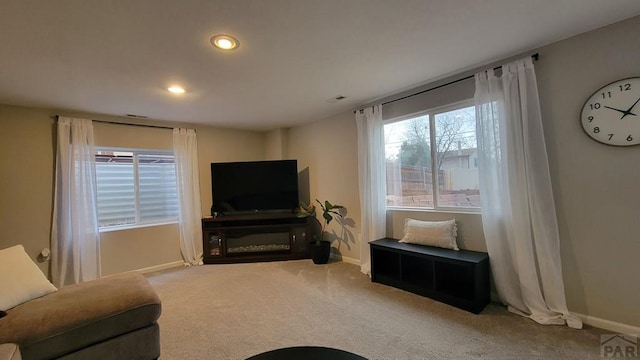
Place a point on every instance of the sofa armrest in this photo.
(9, 352)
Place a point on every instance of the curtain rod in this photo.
(534, 57)
(129, 124)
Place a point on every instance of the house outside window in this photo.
(135, 187)
(431, 159)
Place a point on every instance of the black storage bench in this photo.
(458, 278)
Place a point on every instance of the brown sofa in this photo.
(110, 318)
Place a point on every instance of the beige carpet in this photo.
(239, 310)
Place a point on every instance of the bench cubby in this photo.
(458, 278)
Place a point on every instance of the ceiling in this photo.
(118, 57)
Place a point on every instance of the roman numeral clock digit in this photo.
(611, 115)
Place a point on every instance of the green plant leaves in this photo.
(327, 217)
(328, 209)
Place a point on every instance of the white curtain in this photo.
(371, 180)
(75, 240)
(518, 212)
(185, 152)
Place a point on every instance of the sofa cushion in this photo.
(80, 315)
(20, 278)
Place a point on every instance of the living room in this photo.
(593, 184)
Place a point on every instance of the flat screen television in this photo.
(254, 186)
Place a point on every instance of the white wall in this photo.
(327, 152)
(26, 179)
(277, 145)
(595, 185)
(139, 248)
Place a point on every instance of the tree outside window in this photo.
(414, 179)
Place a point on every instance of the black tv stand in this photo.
(263, 236)
(258, 213)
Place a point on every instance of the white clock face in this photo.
(612, 114)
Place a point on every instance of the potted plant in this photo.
(321, 247)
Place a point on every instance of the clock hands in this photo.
(625, 112)
(628, 112)
(622, 111)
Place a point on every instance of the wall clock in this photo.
(612, 114)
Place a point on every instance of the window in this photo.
(431, 159)
(135, 187)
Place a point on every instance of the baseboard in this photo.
(151, 269)
(609, 325)
(348, 260)
(613, 326)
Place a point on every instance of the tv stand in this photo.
(268, 236)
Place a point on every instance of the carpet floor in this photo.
(238, 310)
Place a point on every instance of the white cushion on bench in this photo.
(432, 233)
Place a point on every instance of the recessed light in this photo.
(225, 42)
(176, 89)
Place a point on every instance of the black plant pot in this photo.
(320, 251)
